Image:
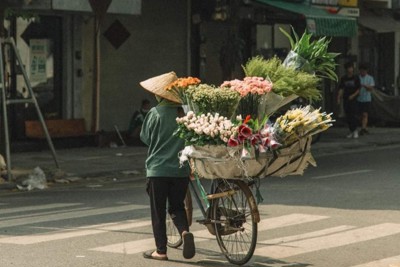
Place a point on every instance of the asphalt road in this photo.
(344, 213)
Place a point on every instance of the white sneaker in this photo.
(350, 135)
(355, 134)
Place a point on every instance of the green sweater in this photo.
(157, 133)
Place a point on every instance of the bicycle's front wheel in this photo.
(235, 220)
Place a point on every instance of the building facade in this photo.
(209, 39)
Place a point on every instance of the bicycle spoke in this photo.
(236, 231)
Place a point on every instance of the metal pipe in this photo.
(33, 98)
(5, 116)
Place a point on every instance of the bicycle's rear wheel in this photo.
(236, 224)
(174, 240)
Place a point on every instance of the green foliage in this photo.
(315, 52)
(206, 98)
(24, 14)
(286, 80)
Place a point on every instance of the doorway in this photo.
(39, 44)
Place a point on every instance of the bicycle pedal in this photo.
(204, 221)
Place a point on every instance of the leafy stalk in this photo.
(315, 52)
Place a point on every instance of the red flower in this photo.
(255, 139)
(241, 138)
(233, 142)
(245, 131)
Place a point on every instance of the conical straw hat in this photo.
(157, 84)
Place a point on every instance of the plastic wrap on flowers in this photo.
(213, 162)
(271, 102)
(297, 62)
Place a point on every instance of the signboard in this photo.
(37, 4)
(130, 7)
(349, 11)
(38, 59)
(349, 3)
(311, 26)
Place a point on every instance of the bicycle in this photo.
(230, 213)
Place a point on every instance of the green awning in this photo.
(318, 20)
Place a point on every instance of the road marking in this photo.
(388, 262)
(69, 215)
(323, 232)
(289, 249)
(28, 215)
(141, 245)
(39, 207)
(92, 230)
(340, 174)
(288, 220)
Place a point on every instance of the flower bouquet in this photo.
(179, 87)
(300, 123)
(311, 56)
(205, 129)
(251, 90)
(251, 134)
(204, 98)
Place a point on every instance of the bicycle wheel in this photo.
(235, 223)
(174, 239)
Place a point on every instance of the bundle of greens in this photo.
(286, 80)
(315, 53)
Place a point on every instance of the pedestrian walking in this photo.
(166, 180)
(349, 89)
(364, 98)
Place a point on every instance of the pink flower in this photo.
(249, 85)
(262, 149)
(273, 144)
(265, 141)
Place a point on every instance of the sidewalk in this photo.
(88, 163)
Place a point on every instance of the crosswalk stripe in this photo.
(142, 245)
(38, 207)
(34, 239)
(323, 232)
(330, 241)
(388, 262)
(42, 214)
(289, 220)
(138, 246)
(69, 215)
(341, 174)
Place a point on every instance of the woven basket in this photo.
(213, 162)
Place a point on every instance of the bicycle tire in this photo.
(174, 240)
(235, 221)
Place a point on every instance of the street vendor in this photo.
(166, 180)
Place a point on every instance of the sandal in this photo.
(189, 249)
(149, 255)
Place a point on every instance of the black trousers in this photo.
(162, 190)
(351, 110)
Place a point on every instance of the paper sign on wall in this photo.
(38, 49)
